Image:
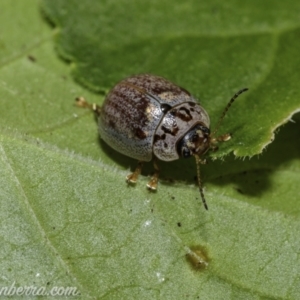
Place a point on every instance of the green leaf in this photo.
(67, 216)
(212, 50)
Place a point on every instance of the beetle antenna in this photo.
(199, 182)
(227, 108)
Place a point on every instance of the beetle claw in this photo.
(224, 138)
(131, 178)
(152, 184)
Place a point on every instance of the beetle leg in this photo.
(222, 138)
(81, 102)
(132, 178)
(152, 184)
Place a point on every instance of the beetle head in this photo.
(195, 142)
(198, 141)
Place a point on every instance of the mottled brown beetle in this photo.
(148, 117)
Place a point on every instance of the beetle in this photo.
(148, 117)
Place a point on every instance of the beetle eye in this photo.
(205, 130)
(186, 152)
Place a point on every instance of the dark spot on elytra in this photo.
(172, 131)
(139, 133)
(165, 145)
(165, 107)
(184, 114)
(131, 105)
(158, 137)
(112, 124)
(157, 90)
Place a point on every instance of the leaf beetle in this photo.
(147, 117)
